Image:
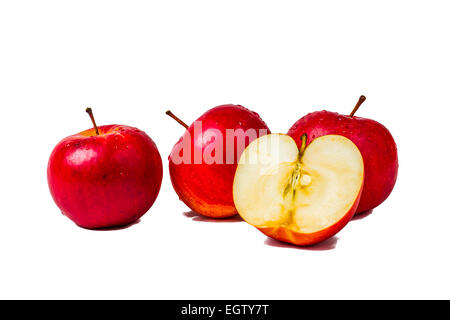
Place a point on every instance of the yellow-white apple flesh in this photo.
(299, 196)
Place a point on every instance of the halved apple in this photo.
(299, 196)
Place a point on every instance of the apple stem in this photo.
(91, 115)
(358, 104)
(170, 114)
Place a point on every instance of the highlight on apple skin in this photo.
(106, 176)
(374, 141)
(203, 162)
(299, 195)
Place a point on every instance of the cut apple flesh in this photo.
(278, 186)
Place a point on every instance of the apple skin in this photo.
(284, 234)
(375, 142)
(207, 189)
(107, 180)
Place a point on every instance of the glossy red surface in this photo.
(107, 180)
(207, 188)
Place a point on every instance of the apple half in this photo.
(299, 196)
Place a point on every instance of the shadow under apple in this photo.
(362, 215)
(115, 228)
(194, 216)
(328, 244)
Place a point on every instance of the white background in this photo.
(132, 60)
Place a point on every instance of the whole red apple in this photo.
(203, 162)
(106, 176)
(374, 141)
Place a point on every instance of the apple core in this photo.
(299, 192)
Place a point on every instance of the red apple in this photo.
(203, 162)
(106, 176)
(301, 195)
(374, 140)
